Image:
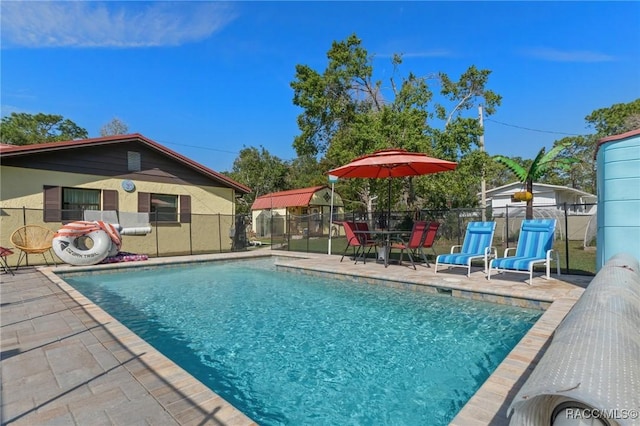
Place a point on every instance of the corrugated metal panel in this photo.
(618, 165)
(291, 198)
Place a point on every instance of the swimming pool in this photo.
(294, 349)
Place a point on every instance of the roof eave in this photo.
(15, 151)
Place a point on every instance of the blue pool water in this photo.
(288, 348)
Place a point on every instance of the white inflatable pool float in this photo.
(86, 243)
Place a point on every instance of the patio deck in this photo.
(65, 361)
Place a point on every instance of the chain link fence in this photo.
(217, 233)
(575, 230)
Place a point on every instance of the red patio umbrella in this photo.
(390, 163)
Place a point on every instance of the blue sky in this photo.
(207, 78)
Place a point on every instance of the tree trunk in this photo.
(529, 188)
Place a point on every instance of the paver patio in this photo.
(65, 361)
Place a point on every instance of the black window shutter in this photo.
(52, 203)
(185, 209)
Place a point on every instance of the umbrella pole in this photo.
(389, 199)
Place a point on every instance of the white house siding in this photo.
(543, 195)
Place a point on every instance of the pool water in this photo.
(288, 348)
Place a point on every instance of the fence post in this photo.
(157, 241)
(459, 227)
(220, 234)
(308, 230)
(24, 223)
(288, 233)
(190, 239)
(566, 237)
(506, 222)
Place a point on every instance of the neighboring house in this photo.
(307, 211)
(551, 196)
(52, 183)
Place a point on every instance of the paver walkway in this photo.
(63, 366)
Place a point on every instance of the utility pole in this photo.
(483, 183)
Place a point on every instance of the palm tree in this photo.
(541, 164)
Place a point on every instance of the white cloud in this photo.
(110, 24)
(555, 55)
(435, 53)
(6, 110)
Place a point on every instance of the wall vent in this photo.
(133, 161)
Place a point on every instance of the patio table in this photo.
(387, 237)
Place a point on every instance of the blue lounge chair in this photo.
(476, 245)
(535, 245)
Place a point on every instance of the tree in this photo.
(544, 162)
(114, 127)
(304, 172)
(582, 175)
(613, 120)
(346, 114)
(616, 119)
(465, 92)
(260, 171)
(332, 100)
(27, 129)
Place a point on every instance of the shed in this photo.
(296, 211)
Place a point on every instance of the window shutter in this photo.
(109, 199)
(52, 204)
(185, 209)
(144, 202)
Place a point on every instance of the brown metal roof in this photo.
(613, 138)
(20, 150)
(291, 198)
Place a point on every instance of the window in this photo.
(76, 200)
(67, 204)
(164, 208)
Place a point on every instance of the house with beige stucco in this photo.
(189, 206)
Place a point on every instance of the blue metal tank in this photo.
(618, 163)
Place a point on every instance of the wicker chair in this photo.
(33, 239)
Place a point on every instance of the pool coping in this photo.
(154, 370)
(488, 406)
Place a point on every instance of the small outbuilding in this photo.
(304, 212)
